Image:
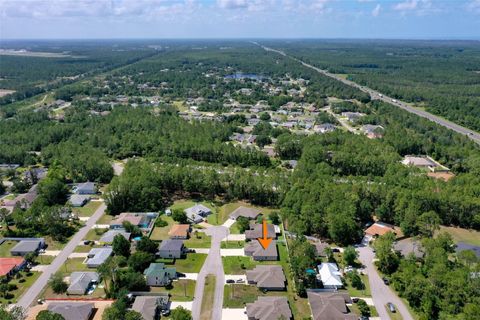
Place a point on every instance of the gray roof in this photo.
(86, 187)
(330, 305)
(171, 245)
(199, 209)
(147, 305)
(256, 250)
(78, 199)
(80, 281)
(269, 308)
(250, 213)
(257, 231)
(267, 276)
(110, 234)
(97, 256)
(320, 248)
(27, 246)
(72, 310)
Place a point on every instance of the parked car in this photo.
(86, 242)
(391, 307)
(354, 300)
(165, 312)
(386, 281)
(335, 250)
(240, 281)
(230, 281)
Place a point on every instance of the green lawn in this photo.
(29, 277)
(191, 264)
(74, 264)
(5, 248)
(354, 308)
(85, 248)
(234, 229)
(55, 245)
(87, 210)
(105, 219)
(48, 293)
(95, 234)
(208, 297)
(182, 290)
(161, 233)
(232, 244)
(225, 210)
(463, 235)
(360, 293)
(237, 295)
(44, 259)
(199, 240)
(237, 265)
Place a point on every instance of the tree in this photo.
(2, 188)
(350, 255)
(363, 307)
(121, 246)
(179, 216)
(15, 313)
(275, 217)
(133, 315)
(355, 280)
(329, 254)
(180, 313)
(131, 228)
(3, 217)
(243, 224)
(428, 223)
(53, 190)
(145, 244)
(388, 260)
(48, 315)
(57, 283)
(139, 261)
(264, 116)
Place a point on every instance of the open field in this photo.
(199, 240)
(207, 299)
(237, 265)
(463, 235)
(191, 264)
(181, 290)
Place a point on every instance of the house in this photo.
(324, 128)
(256, 231)
(352, 116)
(23, 247)
(330, 305)
(157, 275)
(72, 310)
(78, 200)
(150, 306)
(253, 121)
(373, 131)
(330, 275)
(97, 256)
(320, 249)
(179, 231)
(268, 277)
(143, 220)
(419, 162)
(108, 236)
(197, 213)
(9, 266)
(269, 308)
(378, 229)
(249, 213)
(172, 249)
(85, 188)
(81, 282)
(255, 250)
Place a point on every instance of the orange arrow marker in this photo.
(265, 242)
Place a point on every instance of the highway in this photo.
(375, 95)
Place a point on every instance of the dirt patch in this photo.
(4, 92)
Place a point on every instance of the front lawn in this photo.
(181, 290)
(233, 244)
(5, 248)
(87, 210)
(49, 294)
(238, 295)
(208, 297)
(24, 282)
(74, 264)
(95, 234)
(354, 308)
(55, 245)
(198, 240)
(237, 265)
(191, 264)
(44, 259)
(360, 293)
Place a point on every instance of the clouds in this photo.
(474, 6)
(376, 10)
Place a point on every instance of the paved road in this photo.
(31, 294)
(475, 136)
(213, 265)
(381, 293)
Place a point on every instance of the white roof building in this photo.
(330, 276)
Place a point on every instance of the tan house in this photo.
(179, 231)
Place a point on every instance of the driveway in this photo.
(228, 223)
(234, 237)
(232, 252)
(187, 304)
(190, 276)
(236, 277)
(31, 294)
(213, 265)
(381, 293)
(201, 250)
(234, 314)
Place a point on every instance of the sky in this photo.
(386, 19)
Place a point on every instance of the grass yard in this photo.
(354, 308)
(232, 244)
(192, 264)
(463, 235)
(29, 278)
(49, 294)
(161, 233)
(208, 297)
(5, 248)
(394, 316)
(237, 295)
(44, 259)
(87, 210)
(360, 293)
(199, 240)
(234, 229)
(225, 210)
(237, 265)
(182, 290)
(55, 245)
(105, 219)
(84, 249)
(95, 234)
(74, 264)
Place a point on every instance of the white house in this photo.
(330, 276)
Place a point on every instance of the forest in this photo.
(442, 76)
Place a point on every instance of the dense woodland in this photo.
(443, 76)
